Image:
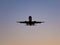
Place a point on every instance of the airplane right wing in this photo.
(37, 22)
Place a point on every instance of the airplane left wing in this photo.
(22, 22)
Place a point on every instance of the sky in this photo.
(12, 33)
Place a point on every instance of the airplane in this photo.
(30, 22)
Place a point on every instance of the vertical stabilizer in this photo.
(30, 18)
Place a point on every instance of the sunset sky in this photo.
(12, 33)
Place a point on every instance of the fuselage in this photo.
(30, 19)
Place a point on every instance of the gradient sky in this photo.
(12, 33)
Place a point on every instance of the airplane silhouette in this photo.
(30, 22)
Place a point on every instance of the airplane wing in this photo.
(37, 22)
(22, 21)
